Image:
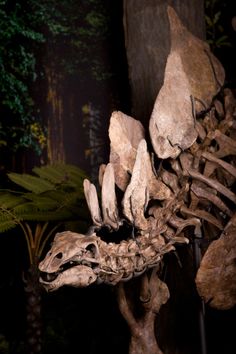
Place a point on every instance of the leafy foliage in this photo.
(55, 194)
(25, 27)
(18, 38)
(216, 36)
(52, 196)
(78, 29)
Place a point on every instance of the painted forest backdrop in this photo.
(64, 67)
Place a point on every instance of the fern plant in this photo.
(53, 194)
(217, 36)
(39, 204)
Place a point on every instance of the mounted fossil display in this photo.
(191, 193)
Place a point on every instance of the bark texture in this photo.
(33, 292)
(55, 141)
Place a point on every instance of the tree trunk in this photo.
(33, 308)
(55, 143)
(147, 42)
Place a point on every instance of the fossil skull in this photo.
(75, 266)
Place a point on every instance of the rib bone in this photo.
(204, 193)
(214, 184)
(227, 166)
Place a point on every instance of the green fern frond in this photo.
(31, 183)
(52, 173)
(41, 202)
(7, 225)
(26, 208)
(61, 174)
(76, 175)
(64, 197)
(7, 220)
(56, 195)
(10, 200)
(70, 200)
(5, 216)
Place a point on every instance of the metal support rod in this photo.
(201, 311)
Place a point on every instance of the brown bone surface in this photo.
(193, 131)
(192, 77)
(218, 268)
(196, 188)
(195, 196)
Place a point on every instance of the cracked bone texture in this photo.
(109, 202)
(125, 134)
(204, 71)
(195, 198)
(193, 76)
(191, 190)
(136, 195)
(218, 268)
(94, 260)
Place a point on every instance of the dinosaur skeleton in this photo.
(193, 199)
(192, 189)
(80, 260)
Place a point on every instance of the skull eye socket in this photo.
(59, 255)
(91, 249)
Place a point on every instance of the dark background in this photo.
(88, 320)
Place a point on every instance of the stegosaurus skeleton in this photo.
(194, 186)
(80, 260)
